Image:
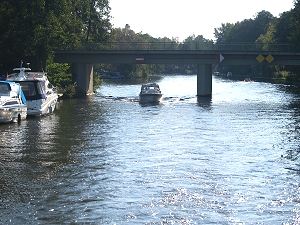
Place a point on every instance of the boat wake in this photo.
(164, 100)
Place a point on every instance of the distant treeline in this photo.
(32, 30)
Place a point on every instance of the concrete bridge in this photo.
(149, 53)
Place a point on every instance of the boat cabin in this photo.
(150, 88)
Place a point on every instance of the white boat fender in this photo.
(57, 105)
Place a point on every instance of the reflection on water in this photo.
(107, 159)
(204, 101)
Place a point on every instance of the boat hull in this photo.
(150, 97)
(13, 114)
(42, 107)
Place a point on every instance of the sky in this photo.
(181, 19)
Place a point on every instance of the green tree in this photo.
(247, 30)
(289, 32)
(31, 30)
(295, 23)
(194, 42)
(95, 16)
(222, 32)
(268, 38)
(283, 30)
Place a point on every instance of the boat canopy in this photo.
(5, 87)
(12, 89)
(34, 89)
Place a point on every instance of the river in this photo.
(106, 159)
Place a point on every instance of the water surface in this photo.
(106, 159)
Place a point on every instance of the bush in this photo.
(59, 75)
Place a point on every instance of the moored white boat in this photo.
(150, 93)
(41, 96)
(13, 106)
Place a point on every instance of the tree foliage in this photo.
(283, 28)
(247, 30)
(32, 30)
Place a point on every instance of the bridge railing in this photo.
(254, 47)
(197, 46)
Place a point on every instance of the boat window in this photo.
(4, 89)
(11, 103)
(28, 88)
(50, 85)
(41, 88)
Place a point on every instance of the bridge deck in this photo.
(178, 57)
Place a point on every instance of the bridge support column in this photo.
(204, 80)
(82, 74)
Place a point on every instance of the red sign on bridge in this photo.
(139, 59)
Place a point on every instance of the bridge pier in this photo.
(204, 80)
(82, 74)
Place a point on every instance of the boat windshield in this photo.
(151, 88)
(33, 89)
(28, 89)
(4, 89)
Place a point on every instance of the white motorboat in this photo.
(41, 96)
(13, 106)
(150, 93)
